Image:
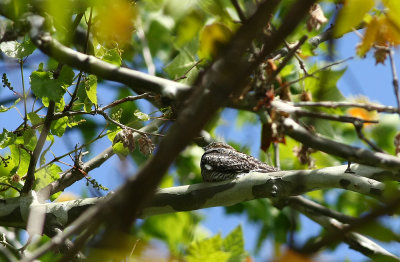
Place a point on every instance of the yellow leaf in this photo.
(115, 22)
(393, 11)
(212, 38)
(351, 15)
(369, 38)
(392, 31)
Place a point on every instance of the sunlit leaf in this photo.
(47, 175)
(174, 229)
(189, 27)
(18, 50)
(234, 244)
(113, 56)
(207, 250)
(91, 88)
(43, 84)
(7, 138)
(393, 11)
(351, 15)
(20, 158)
(115, 22)
(212, 38)
(141, 116)
(58, 126)
(5, 109)
(121, 151)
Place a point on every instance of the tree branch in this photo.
(30, 175)
(250, 186)
(92, 65)
(297, 112)
(334, 104)
(350, 153)
(71, 176)
(329, 220)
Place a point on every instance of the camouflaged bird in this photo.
(222, 162)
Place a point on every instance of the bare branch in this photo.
(350, 153)
(296, 112)
(395, 80)
(334, 104)
(71, 177)
(30, 175)
(329, 219)
(92, 65)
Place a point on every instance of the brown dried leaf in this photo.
(317, 18)
(146, 146)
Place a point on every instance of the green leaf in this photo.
(212, 38)
(113, 56)
(47, 175)
(120, 150)
(141, 116)
(207, 250)
(183, 64)
(29, 137)
(43, 85)
(91, 88)
(351, 15)
(18, 50)
(189, 27)
(58, 126)
(20, 159)
(5, 109)
(66, 76)
(388, 125)
(379, 232)
(323, 85)
(7, 138)
(174, 229)
(34, 118)
(44, 152)
(234, 244)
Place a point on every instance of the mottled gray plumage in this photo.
(222, 162)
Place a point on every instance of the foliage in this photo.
(180, 40)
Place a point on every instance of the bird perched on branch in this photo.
(222, 162)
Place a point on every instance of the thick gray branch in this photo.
(198, 196)
(92, 65)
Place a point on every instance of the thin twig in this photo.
(395, 80)
(295, 111)
(30, 175)
(21, 66)
(334, 104)
(9, 185)
(316, 71)
(287, 58)
(100, 135)
(190, 69)
(126, 99)
(337, 235)
(359, 126)
(106, 117)
(73, 97)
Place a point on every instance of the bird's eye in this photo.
(208, 167)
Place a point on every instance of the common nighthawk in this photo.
(222, 162)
